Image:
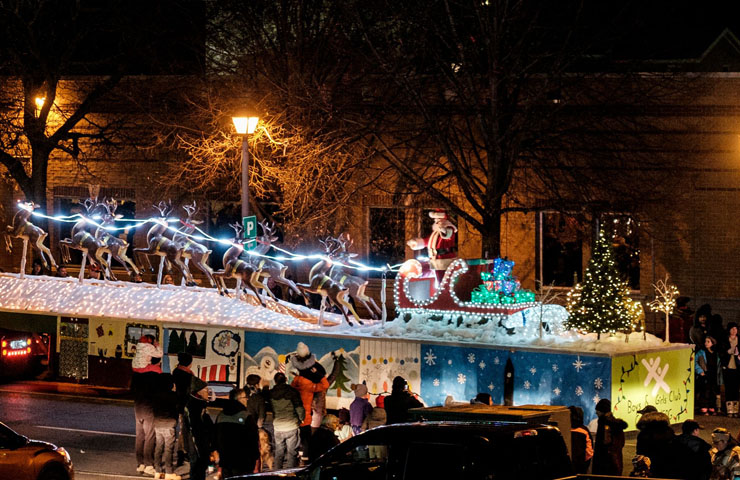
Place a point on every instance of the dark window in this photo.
(360, 462)
(561, 250)
(387, 236)
(438, 461)
(624, 233)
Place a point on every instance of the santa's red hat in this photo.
(438, 213)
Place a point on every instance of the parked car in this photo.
(16, 352)
(24, 459)
(442, 450)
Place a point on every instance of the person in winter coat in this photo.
(708, 376)
(376, 418)
(198, 429)
(581, 447)
(654, 441)
(730, 368)
(609, 441)
(700, 330)
(725, 456)
(256, 402)
(182, 376)
(398, 403)
(236, 437)
(311, 383)
(324, 438)
(344, 429)
(146, 349)
(289, 414)
(692, 453)
(360, 407)
(165, 419)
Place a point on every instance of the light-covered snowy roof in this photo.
(204, 306)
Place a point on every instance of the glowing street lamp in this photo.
(244, 127)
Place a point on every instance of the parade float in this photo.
(475, 330)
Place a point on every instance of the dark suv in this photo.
(442, 450)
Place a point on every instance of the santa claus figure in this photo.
(441, 244)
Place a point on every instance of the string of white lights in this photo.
(203, 236)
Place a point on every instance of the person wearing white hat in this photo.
(441, 244)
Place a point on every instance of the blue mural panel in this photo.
(539, 378)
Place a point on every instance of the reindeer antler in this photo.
(89, 204)
(164, 207)
(191, 209)
(238, 229)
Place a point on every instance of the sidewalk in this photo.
(56, 388)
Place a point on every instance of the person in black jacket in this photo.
(692, 453)
(324, 438)
(182, 375)
(609, 441)
(165, 419)
(236, 437)
(398, 403)
(655, 441)
(581, 447)
(198, 428)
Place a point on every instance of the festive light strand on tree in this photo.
(602, 303)
(665, 301)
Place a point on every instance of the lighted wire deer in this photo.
(322, 284)
(244, 272)
(270, 268)
(169, 252)
(356, 285)
(116, 245)
(83, 237)
(190, 248)
(28, 232)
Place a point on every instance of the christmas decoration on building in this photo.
(601, 304)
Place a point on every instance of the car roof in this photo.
(448, 429)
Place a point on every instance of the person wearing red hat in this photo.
(441, 244)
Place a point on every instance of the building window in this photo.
(561, 249)
(387, 236)
(624, 232)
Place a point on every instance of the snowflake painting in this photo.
(598, 384)
(429, 357)
(579, 364)
(453, 374)
(579, 391)
(596, 398)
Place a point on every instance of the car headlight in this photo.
(65, 454)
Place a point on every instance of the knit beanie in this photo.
(360, 390)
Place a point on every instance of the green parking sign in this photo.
(250, 230)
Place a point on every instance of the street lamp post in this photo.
(244, 127)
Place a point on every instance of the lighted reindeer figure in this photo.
(28, 232)
(190, 248)
(245, 273)
(268, 267)
(322, 284)
(356, 285)
(83, 237)
(168, 251)
(116, 245)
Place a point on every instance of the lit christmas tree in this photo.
(602, 303)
